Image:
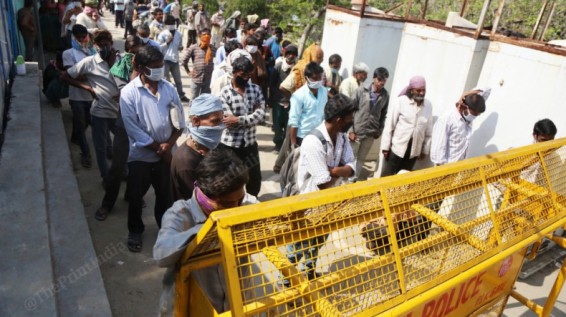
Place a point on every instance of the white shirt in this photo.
(171, 50)
(450, 138)
(349, 86)
(315, 162)
(407, 121)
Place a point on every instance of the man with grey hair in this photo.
(349, 86)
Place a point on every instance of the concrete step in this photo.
(26, 266)
(55, 270)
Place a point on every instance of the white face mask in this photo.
(172, 28)
(155, 74)
(251, 49)
(469, 117)
(314, 84)
(144, 39)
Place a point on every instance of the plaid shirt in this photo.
(250, 110)
(201, 72)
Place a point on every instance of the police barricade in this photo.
(444, 241)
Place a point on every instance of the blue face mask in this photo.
(87, 50)
(208, 137)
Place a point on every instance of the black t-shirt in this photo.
(183, 172)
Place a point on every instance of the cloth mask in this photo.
(85, 48)
(208, 205)
(314, 84)
(155, 74)
(251, 49)
(240, 82)
(334, 71)
(209, 137)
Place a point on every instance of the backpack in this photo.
(288, 173)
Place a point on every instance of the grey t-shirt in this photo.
(97, 72)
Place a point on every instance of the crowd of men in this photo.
(238, 69)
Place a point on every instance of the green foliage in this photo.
(294, 15)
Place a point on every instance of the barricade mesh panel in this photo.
(355, 252)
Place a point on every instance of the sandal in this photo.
(134, 242)
(101, 213)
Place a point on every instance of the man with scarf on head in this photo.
(202, 55)
(408, 129)
(170, 41)
(80, 100)
(452, 131)
(90, 19)
(205, 133)
(222, 74)
(103, 88)
(220, 181)
(244, 109)
(154, 120)
(278, 101)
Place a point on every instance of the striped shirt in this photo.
(250, 110)
(202, 72)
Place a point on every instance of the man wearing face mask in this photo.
(278, 101)
(244, 109)
(307, 105)
(260, 74)
(332, 73)
(408, 129)
(220, 181)
(103, 88)
(80, 100)
(452, 131)
(154, 120)
(351, 84)
(205, 133)
(143, 33)
(202, 55)
(170, 47)
(321, 165)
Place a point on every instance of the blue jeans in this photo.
(81, 121)
(101, 128)
(175, 70)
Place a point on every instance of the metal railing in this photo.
(448, 240)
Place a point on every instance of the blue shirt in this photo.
(148, 118)
(274, 47)
(307, 111)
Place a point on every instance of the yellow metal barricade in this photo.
(445, 241)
